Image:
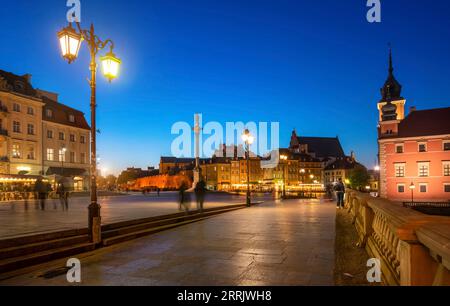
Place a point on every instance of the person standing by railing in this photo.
(340, 191)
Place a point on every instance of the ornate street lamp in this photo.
(284, 158)
(70, 41)
(110, 66)
(248, 140)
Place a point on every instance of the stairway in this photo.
(123, 231)
(26, 251)
(17, 253)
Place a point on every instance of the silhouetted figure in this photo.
(63, 196)
(183, 199)
(200, 190)
(41, 190)
(26, 195)
(340, 191)
(157, 191)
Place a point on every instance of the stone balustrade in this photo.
(414, 248)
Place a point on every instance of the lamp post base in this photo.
(95, 232)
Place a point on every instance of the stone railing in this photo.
(414, 248)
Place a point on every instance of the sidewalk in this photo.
(276, 243)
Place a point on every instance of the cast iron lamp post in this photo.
(70, 41)
(248, 140)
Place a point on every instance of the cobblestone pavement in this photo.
(22, 218)
(275, 243)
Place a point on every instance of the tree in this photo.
(126, 176)
(359, 177)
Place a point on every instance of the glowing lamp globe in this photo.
(69, 42)
(110, 66)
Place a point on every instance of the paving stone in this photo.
(269, 244)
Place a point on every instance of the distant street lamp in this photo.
(70, 42)
(248, 140)
(412, 187)
(284, 158)
(62, 156)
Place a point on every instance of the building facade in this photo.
(39, 136)
(414, 150)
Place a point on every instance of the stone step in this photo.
(14, 263)
(42, 246)
(132, 232)
(34, 238)
(145, 232)
(166, 221)
(121, 224)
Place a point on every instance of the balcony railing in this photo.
(413, 247)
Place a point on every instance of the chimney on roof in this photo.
(353, 156)
(412, 109)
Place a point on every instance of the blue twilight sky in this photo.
(316, 66)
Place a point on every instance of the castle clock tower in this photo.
(391, 92)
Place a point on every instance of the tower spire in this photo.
(391, 67)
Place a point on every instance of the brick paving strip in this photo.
(276, 243)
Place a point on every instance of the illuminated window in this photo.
(50, 154)
(62, 155)
(446, 168)
(16, 151)
(424, 169)
(30, 154)
(400, 170)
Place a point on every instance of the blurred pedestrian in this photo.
(41, 191)
(200, 190)
(183, 199)
(63, 195)
(340, 191)
(157, 191)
